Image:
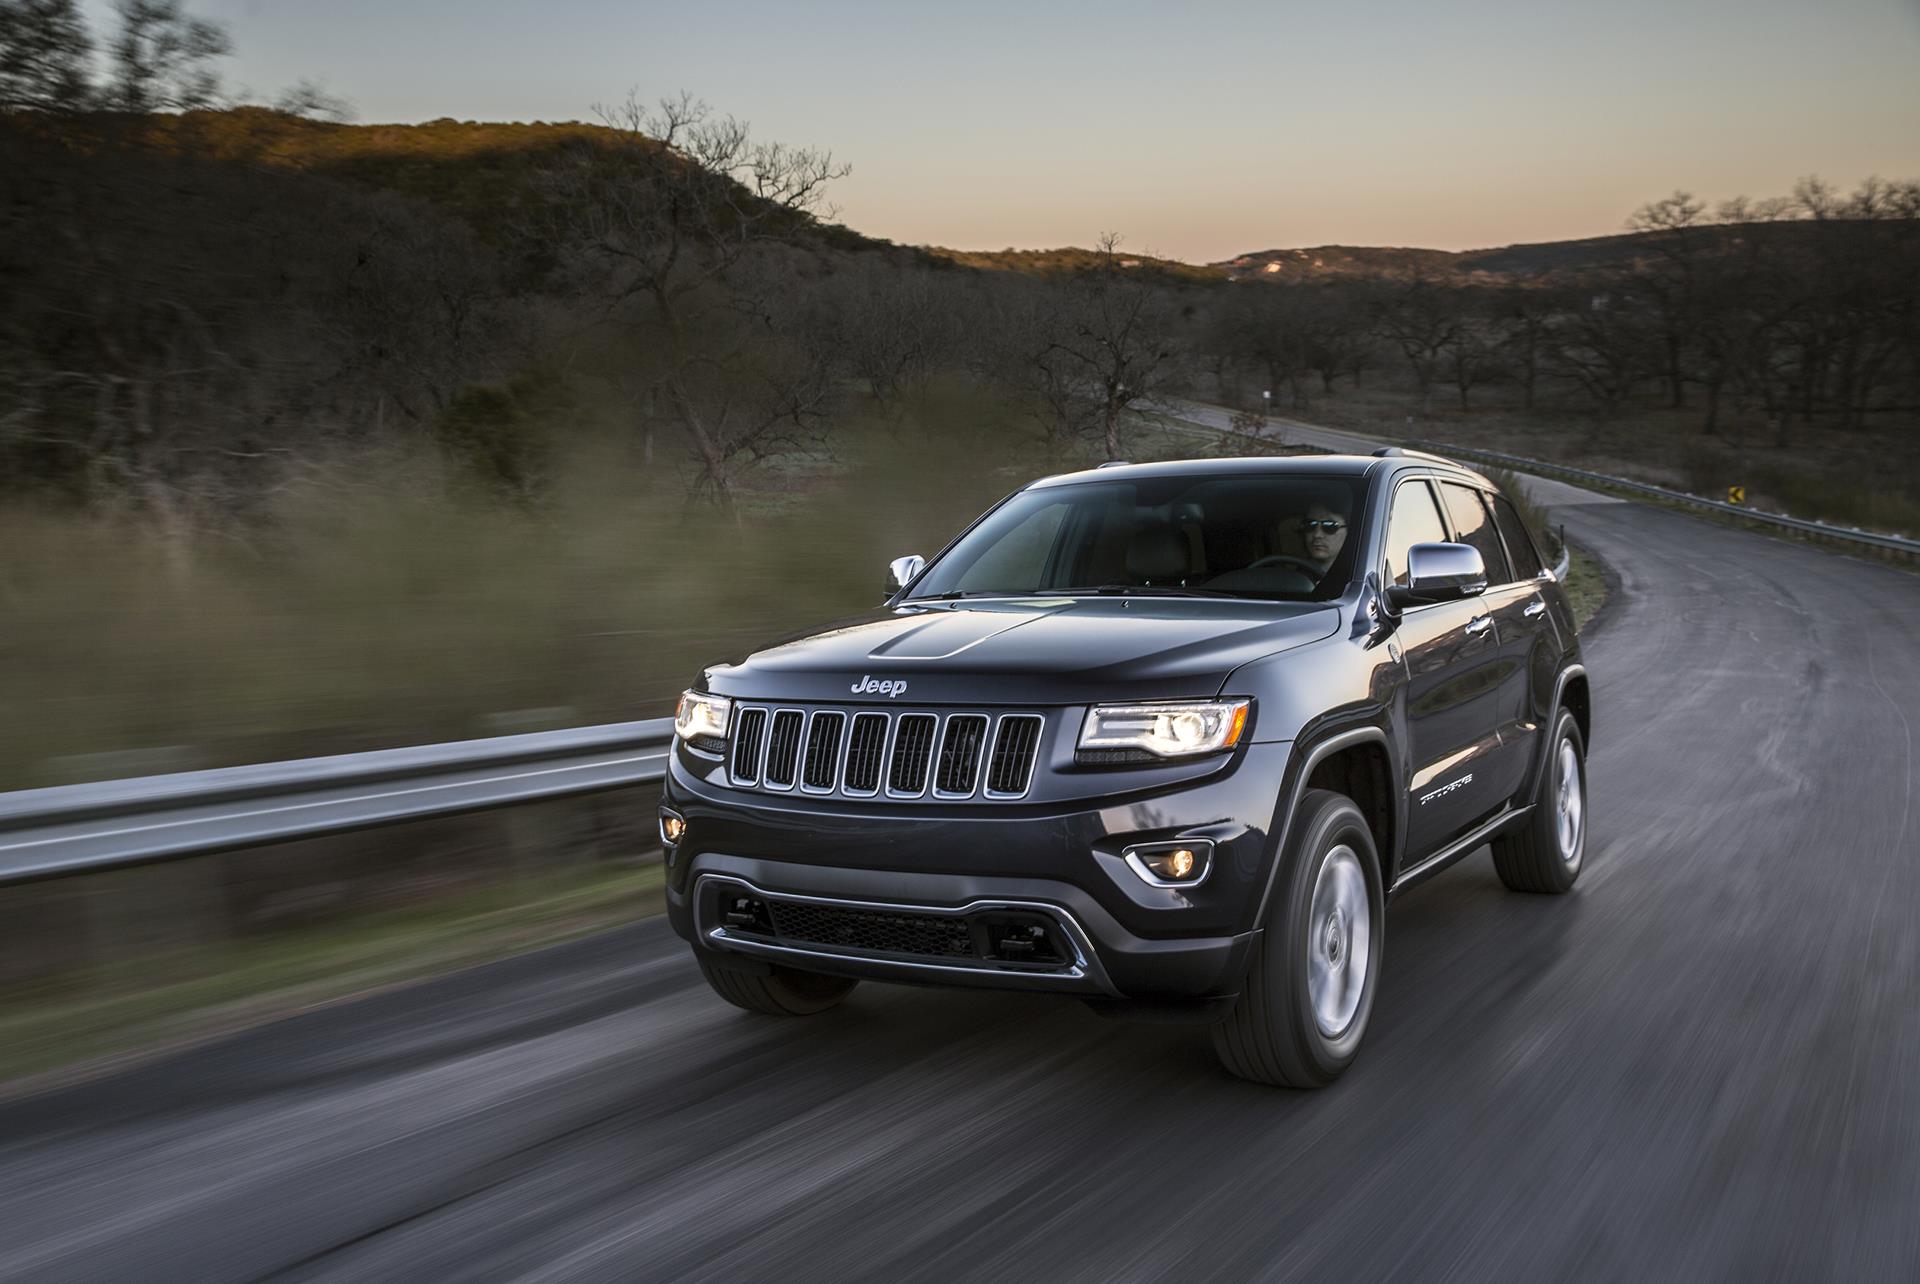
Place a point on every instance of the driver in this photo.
(1323, 532)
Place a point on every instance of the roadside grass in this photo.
(381, 603)
(100, 1015)
(1586, 585)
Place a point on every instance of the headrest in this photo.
(1158, 553)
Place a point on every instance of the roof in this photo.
(1262, 465)
(1255, 465)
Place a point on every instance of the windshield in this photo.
(1284, 538)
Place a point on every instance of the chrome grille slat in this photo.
(893, 754)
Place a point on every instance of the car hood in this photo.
(1026, 651)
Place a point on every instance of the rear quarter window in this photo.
(1475, 524)
(1520, 546)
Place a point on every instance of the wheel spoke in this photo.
(1338, 944)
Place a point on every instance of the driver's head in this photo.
(1323, 530)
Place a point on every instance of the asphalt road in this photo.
(1703, 1064)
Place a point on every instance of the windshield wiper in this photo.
(1136, 590)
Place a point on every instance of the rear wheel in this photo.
(782, 992)
(1309, 990)
(1545, 854)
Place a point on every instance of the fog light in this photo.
(1181, 863)
(672, 827)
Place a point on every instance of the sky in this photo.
(1196, 131)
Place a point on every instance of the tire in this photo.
(1545, 854)
(1303, 1009)
(782, 992)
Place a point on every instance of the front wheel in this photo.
(1545, 853)
(1309, 990)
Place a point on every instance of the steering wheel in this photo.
(1284, 559)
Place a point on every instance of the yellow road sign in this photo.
(1736, 494)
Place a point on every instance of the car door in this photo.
(1541, 642)
(1517, 608)
(1448, 702)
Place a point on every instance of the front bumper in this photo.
(959, 864)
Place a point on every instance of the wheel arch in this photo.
(1362, 754)
(1575, 698)
(1570, 692)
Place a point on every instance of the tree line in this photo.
(182, 331)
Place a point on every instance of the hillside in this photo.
(1069, 259)
(483, 172)
(1508, 262)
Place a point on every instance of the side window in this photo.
(1470, 518)
(1414, 520)
(1520, 546)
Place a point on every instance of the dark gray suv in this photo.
(1167, 737)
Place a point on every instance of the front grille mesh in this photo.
(881, 930)
(867, 753)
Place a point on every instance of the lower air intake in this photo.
(881, 931)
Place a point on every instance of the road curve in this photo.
(1700, 1065)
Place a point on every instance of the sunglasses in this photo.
(1327, 524)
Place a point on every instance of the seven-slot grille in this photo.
(868, 754)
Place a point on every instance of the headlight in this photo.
(1165, 730)
(701, 717)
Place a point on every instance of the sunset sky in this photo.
(1196, 130)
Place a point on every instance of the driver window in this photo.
(1415, 519)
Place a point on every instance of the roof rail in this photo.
(1116, 463)
(1396, 451)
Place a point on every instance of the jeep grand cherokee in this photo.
(1167, 737)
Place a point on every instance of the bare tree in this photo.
(1600, 346)
(1677, 229)
(674, 222)
(44, 56)
(891, 326)
(1422, 318)
(162, 57)
(1477, 355)
(1527, 313)
(313, 101)
(1108, 348)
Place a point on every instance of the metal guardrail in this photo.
(1894, 544)
(74, 829)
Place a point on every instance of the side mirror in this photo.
(1440, 573)
(901, 571)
